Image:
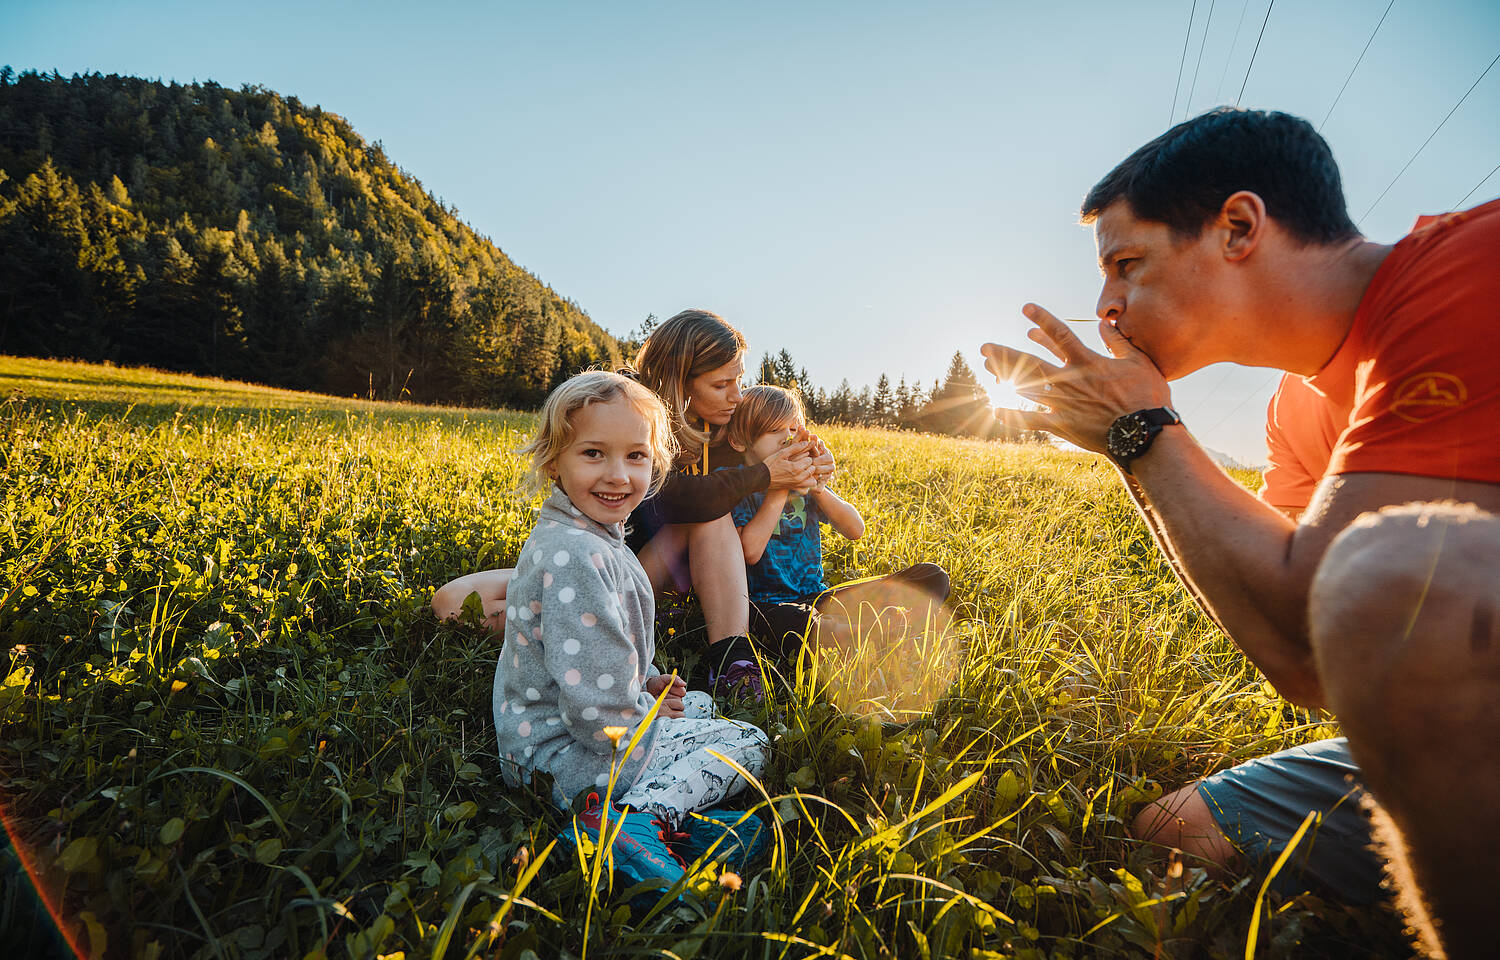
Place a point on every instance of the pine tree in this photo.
(767, 374)
(842, 403)
(786, 370)
(903, 404)
(42, 238)
(881, 413)
(819, 408)
(960, 406)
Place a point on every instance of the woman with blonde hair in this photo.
(683, 534)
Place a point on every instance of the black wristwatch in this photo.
(1131, 435)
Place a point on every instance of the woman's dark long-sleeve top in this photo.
(697, 493)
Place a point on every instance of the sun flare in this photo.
(1003, 394)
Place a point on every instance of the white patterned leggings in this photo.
(681, 775)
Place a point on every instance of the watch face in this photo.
(1127, 436)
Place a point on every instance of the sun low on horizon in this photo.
(1002, 394)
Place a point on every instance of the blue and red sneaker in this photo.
(640, 851)
(741, 837)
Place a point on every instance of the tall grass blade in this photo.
(1265, 885)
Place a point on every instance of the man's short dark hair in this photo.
(1183, 177)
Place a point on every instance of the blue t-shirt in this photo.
(792, 565)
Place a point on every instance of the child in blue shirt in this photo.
(782, 540)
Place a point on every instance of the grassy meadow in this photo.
(229, 726)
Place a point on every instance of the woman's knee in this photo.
(753, 754)
(698, 705)
(1165, 820)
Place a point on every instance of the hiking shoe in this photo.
(740, 679)
(741, 837)
(732, 669)
(640, 849)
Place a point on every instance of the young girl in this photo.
(783, 546)
(575, 677)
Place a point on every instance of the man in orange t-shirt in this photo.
(1259, 805)
(1227, 239)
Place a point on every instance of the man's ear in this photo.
(1242, 224)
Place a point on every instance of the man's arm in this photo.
(757, 533)
(1163, 543)
(1246, 563)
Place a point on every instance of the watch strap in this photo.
(1159, 416)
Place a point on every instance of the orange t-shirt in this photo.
(1302, 428)
(1413, 389)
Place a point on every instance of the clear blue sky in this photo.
(870, 185)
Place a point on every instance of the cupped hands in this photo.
(793, 467)
(1088, 392)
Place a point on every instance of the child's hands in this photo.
(822, 461)
(676, 689)
(791, 467)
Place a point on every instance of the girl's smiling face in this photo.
(606, 470)
(712, 396)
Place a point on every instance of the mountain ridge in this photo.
(242, 233)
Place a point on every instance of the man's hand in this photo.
(670, 682)
(1088, 392)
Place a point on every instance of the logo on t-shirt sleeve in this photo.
(1425, 395)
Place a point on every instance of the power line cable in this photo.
(1429, 139)
(1460, 204)
(1182, 62)
(1255, 51)
(1188, 107)
(1230, 55)
(1248, 397)
(1214, 391)
(1357, 62)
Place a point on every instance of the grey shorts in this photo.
(1261, 803)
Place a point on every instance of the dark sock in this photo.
(720, 655)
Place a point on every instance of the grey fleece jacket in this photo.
(578, 646)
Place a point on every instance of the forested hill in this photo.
(244, 234)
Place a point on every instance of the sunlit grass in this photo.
(231, 727)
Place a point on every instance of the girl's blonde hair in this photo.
(688, 345)
(762, 409)
(554, 430)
